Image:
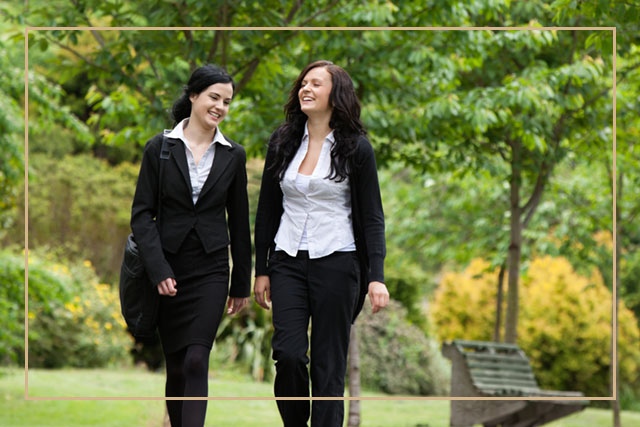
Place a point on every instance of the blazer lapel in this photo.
(177, 149)
(221, 160)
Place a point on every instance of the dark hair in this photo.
(345, 122)
(201, 78)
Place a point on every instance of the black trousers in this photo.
(325, 290)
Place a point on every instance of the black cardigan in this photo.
(367, 216)
(224, 189)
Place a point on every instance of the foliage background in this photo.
(444, 110)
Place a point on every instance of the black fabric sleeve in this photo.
(370, 205)
(239, 229)
(144, 212)
(269, 212)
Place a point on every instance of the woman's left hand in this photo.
(378, 295)
(234, 305)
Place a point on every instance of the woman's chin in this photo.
(212, 123)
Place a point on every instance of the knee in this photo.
(290, 359)
(196, 364)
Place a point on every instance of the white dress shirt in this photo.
(198, 173)
(317, 211)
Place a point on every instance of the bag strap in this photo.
(164, 155)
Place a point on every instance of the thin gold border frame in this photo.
(528, 28)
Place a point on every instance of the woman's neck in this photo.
(318, 128)
(197, 134)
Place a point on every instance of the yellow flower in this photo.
(604, 238)
(90, 322)
(62, 269)
(87, 263)
(108, 326)
(32, 315)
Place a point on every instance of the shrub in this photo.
(408, 266)
(11, 308)
(244, 340)
(79, 208)
(406, 282)
(564, 322)
(73, 319)
(396, 357)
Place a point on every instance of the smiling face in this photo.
(314, 92)
(210, 107)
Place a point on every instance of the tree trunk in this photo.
(513, 260)
(496, 330)
(354, 378)
(615, 404)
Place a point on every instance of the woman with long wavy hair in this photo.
(319, 239)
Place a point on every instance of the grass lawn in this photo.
(15, 411)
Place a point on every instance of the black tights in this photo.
(187, 372)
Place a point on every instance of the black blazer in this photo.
(225, 188)
(366, 213)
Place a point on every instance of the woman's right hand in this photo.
(167, 287)
(262, 291)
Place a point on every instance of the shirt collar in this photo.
(329, 137)
(178, 132)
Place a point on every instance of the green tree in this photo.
(46, 110)
(130, 77)
(624, 16)
(11, 128)
(627, 232)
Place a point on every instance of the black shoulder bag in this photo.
(139, 301)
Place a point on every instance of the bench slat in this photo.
(493, 366)
(498, 358)
(486, 345)
(489, 373)
(506, 383)
(523, 382)
(498, 392)
(558, 393)
(510, 391)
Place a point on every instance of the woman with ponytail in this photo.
(183, 235)
(319, 238)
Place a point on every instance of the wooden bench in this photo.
(489, 369)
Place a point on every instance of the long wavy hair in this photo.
(345, 122)
(201, 78)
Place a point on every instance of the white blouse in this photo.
(317, 211)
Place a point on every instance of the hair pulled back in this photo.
(201, 78)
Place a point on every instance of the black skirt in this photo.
(192, 316)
